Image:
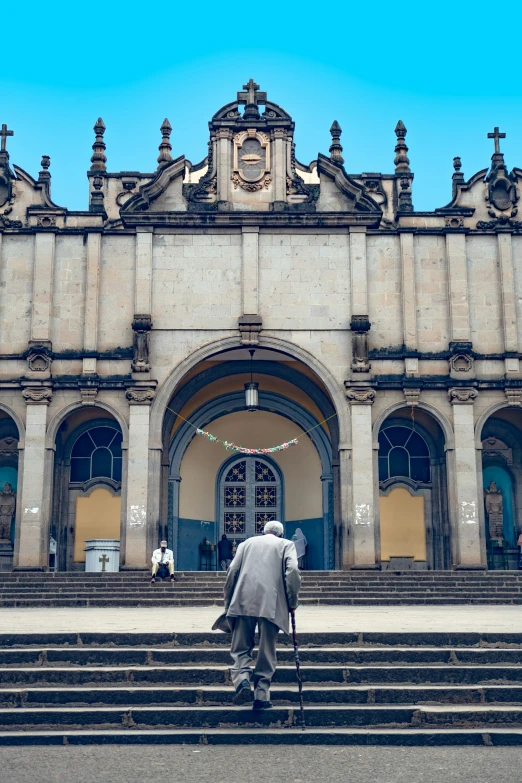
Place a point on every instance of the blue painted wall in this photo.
(313, 529)
(191, 533)
(503, 480)
(9, 475)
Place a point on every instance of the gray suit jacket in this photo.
(263, 580)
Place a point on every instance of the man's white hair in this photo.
(274, 527)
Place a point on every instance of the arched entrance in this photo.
(290, 404)
(414, 523)
(501, 439)
(88, 470)
(9, 438)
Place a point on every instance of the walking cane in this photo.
(298, 670)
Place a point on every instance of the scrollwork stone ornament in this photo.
(141, 326)
(140, 396)
(462, 396)
(411, 396)
(37, 396)
(360, 396)
(514, 397)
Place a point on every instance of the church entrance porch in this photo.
(502, 484)
(88, 471)
(210, 492)
(414, 528)
(9, 440)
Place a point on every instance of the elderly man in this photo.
(262, 585)
(162, 557)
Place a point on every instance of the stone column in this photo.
(362, 511)
(33, 540)
(466, 483)
(359, 270)
(43, 273)
(143, 292)
(136, 544)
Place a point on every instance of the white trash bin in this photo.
(102, 555)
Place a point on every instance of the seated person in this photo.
(162, 557)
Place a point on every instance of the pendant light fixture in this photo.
(251, 389)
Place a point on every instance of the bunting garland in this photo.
(230, 446)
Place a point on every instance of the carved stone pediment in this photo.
(161, 194)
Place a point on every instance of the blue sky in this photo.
(449, 71)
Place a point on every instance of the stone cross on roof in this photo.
(497, 136)
(251, 96)
(4, 133)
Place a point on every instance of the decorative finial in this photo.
(458, 177)
(336, 148)
(252, 98)
(99, 159)
(45, 175)
(164, 158)
(4, 133)
(402, 162)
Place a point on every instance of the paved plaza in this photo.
(496, 618)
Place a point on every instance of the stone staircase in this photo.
(371, 688)
(77, 589)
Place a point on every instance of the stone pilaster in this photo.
(362, 514)
(458, 287)
(359, 271)
(250, 270)
(224, 165)
(507, 292)
(466, 482)
(136, 553)
(92, 286)
(409, 315)
(279, 166)
(143, 292)
(33, 538)
(43, 273)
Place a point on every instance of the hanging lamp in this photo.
(251, 389)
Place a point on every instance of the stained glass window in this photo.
(96, 454)
(403, 453)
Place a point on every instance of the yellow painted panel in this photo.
(97, 516)
(403, 533)
(300, 465)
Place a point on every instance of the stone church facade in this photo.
(387, 341)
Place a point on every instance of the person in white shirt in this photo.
(162, 556)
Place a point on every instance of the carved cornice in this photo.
(37, 396)
(140, 396)
(462, 396)
(360, 395)
(151, 190)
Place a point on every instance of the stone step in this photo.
(419, 716)
(209, 695)
(328, 656)
(210, 638)
(169, 601)
(261, 736)
(47, 676)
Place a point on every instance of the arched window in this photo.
(97, 453)
(403, 453)
(250, 496)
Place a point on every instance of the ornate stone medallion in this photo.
(251, 160)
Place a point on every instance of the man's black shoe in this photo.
(243, 693)
(153, 580)
(262, 705)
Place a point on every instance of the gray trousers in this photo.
(241, 651)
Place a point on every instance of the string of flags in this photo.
(230, 446)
